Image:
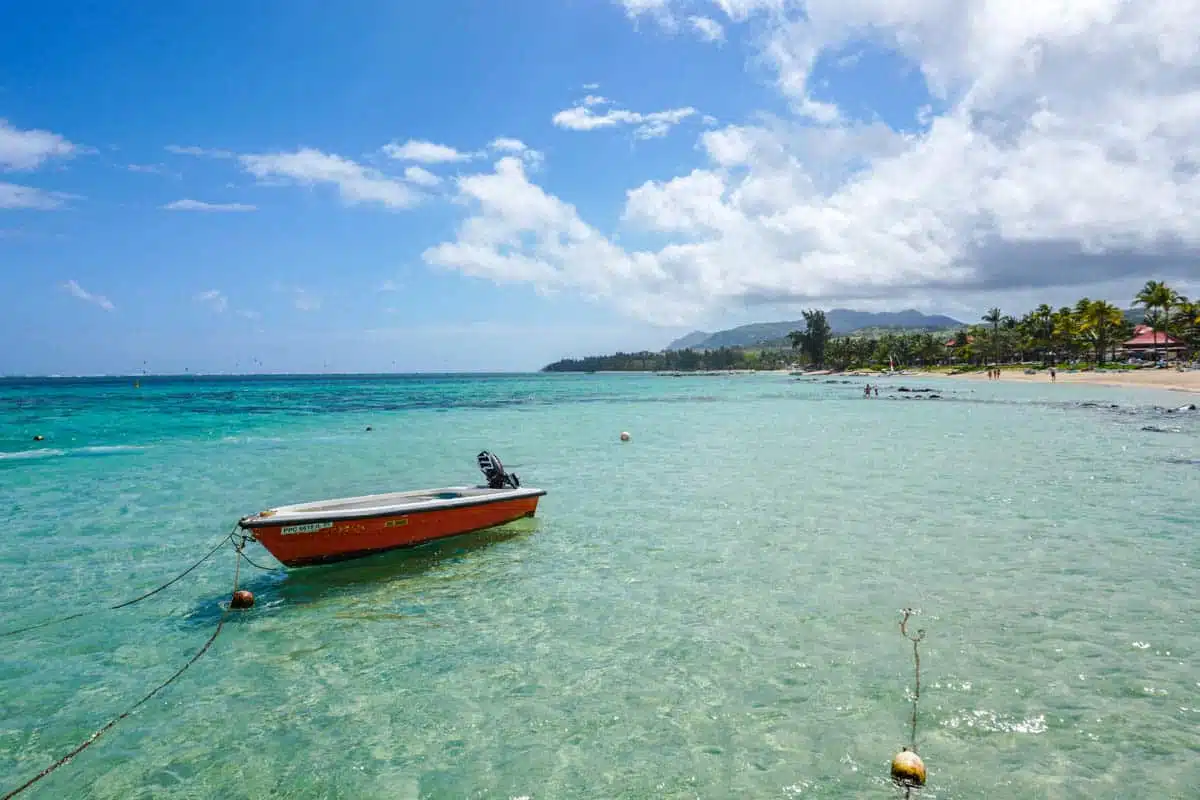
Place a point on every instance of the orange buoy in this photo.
(908, 769)
(242, 599)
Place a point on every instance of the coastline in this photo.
(1169, 379)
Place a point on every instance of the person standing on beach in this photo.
(1053, 375)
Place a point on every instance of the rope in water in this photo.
(229, 537)
(916, 641)
(240, 546)
(87, 742)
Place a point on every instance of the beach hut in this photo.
(1146, 342)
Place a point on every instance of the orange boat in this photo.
(352, 527)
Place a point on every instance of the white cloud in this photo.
(1060, 153)
(78, 291)
(355, 183)
(507, 145)
(150, 169)
(591, 87)
(200, 205)
(248, 314)
(709, 29)
(200, 152)
(14, 196)
(424, 152)
(421, 177)
(647, 126)
(214, 299)
(389, 286)
(29, 149)
(636, 8)
(519, 233)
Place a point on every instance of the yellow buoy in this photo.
(625, 437)
(908, 769)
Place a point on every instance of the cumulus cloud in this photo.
(517, 232)
(653, 125)
(200, 205)
(29, 149)
(1059, 149)
(421, 177)
(76, 290)
(424, 152)
(355, 183)
(505, 144)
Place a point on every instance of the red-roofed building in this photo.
(1146, 341)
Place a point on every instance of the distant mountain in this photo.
(841, 320)
(1134, 316)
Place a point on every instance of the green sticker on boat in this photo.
(312, 527)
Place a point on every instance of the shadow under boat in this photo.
(276, 590)
(315, 583)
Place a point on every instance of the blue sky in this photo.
(219, 186)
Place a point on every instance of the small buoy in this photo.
(39, 438)
(369, 428)
(625, 437)
(908, 769)
(242, 599)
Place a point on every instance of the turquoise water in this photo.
(707, 611)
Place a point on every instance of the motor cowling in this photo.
(494, 472)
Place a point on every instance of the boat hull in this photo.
(312, 541)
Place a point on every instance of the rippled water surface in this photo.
(707, 611)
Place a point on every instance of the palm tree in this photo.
(1041, 330)
(993, 316)
(1189, 322)
(1098, 320)
(1157, 298)
(1066, 331)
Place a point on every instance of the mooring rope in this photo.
(226, 538)
(240, 546)
(88, 742)
(916, 641)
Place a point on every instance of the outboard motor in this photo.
(493, 470)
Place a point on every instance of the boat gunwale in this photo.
(284, 515)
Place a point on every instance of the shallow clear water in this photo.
(710, 610)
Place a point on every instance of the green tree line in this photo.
(1091, 331)
(724, 358)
